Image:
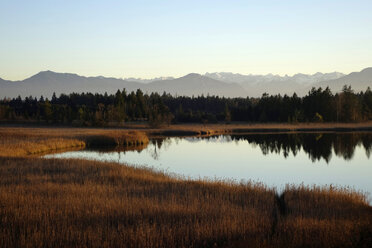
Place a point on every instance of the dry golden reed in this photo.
(16, 142)
(78, 203)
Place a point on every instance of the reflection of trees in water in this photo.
(317, 146)
(345, 145)
(165, 143)
(157, 144)
(366, 142)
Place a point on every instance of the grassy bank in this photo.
(197, 129)
(238, 128)
(77, 203)
(28, 141)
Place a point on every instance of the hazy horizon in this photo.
(169, 76)
(150, 39)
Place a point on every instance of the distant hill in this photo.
(46, 82)
(221, 84)
(359, 81)
(196, 84)
(256, 85)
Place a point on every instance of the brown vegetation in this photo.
(116, 138)
(198, 129)
(78, 203)
(244, 128)
(323, 217)
(14, 148)
(27, 141)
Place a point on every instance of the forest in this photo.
(87, 109)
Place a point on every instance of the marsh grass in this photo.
(16, 142)
(324, 217)
(78, 203)
(116, 138)
(30, 146)
(211, 129)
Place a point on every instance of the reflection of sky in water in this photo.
(224, 158)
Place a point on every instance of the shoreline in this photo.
(44, 139)
(338, 126)
(138, 205)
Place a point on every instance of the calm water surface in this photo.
(274, 159)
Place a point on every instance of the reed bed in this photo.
(76, 203)
(16, 142)
(323, 217)
(10, 147)
(116, 138)
(213, 129)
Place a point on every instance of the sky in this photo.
(149, 39)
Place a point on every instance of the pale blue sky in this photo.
(172, 38)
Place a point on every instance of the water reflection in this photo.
(317, 146)
(341, 159)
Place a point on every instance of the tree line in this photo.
(87, 109)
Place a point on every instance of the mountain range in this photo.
(222, 84)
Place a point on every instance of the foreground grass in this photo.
(77, 203)
(323, 217)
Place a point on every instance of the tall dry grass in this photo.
(76, 203)
(323, 217)
(28, 146)
(27, 141)
(116, 138)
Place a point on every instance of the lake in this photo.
(340, 159)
